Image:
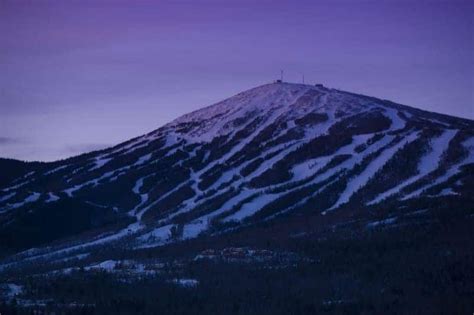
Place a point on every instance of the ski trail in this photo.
(450, 172)
(428, 163)
(362, 179)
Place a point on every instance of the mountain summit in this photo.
(293, 156)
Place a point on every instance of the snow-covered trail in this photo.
(111, 175)
(34, 196)
(265, 198)
(450, 172)
(143, 198)
(253, 206)
(7, 196)
(397, 122)
(69, 250)
(363, 178)
(275, 113)
(155, 202)
(310, 167)
(428, 163)
(284, 148)
(239, 121)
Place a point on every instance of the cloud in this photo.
(8, 140)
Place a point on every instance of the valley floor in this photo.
(382, 269)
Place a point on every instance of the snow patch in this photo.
(186, 283)
(453, 170)
(382, 222)
(99, 162)
(427, 164)
(363, 178)
(143, 159)
(31, 198)
(156, 237)
(7, 196)
(10, 290)
(108, 265)
(52, 198)
(250, 208)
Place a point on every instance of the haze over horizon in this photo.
(80, 76)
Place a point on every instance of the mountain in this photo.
(13, 169)
(279, 149)
(275, 162)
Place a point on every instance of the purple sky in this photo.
(81, 75)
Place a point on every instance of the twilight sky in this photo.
(81, 75)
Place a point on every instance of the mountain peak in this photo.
(270, 100)
(279, 149)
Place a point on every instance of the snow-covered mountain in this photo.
(276, 152)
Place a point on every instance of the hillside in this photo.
(267, 166)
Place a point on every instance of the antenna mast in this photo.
(281, 75)
(303, 78)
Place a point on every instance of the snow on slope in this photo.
(214, 120)
(453, 170)
(52, 198)
(99, 162)
(252, 207)
(361, 180)
(278, 115)
(34, 196)
(427, 164)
